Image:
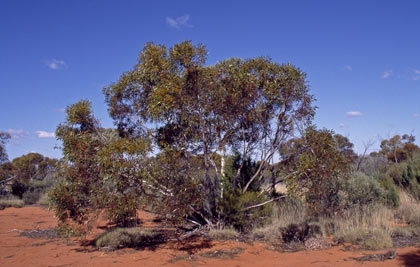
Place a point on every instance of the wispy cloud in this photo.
(341, 125)
(55, 64)
(416, 115)
(348, 67)
(43, 134)
(351, 114)
(416, 75)
(179, 22)
(17, 134)
(386, 74)
(60, 110)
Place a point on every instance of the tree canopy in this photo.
(249, 106)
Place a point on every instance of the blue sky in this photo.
(362, 58)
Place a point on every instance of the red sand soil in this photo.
(16, 250)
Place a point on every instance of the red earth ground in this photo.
(17, 250)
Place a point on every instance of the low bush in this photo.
(128, 237)
(300, 232)
(362, 190)
(223, 234)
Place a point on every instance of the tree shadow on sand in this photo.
(411, 259)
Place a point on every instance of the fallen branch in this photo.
(262, 204)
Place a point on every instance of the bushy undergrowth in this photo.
(128, 237)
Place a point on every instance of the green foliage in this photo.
(184, 101)
(406, 175)
(317, 164)
(100, 170)
(361, 189)
(4, 136)
(233, 209)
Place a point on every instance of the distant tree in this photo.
(399, 148)
(249, 106)
(32, 166)
(4, 136)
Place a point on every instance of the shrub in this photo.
(300, 232)
(361, 190)
(223, 234)
(234, 213)
(128, 237)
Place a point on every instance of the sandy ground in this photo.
(16, 250)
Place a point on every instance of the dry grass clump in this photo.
(368, 227)
(223, 234)
(11, 201)
(284, 214)
(409, 209)
(43, 200)
(128, 237)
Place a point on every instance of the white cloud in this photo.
(416, 75)
(353, 114)
(348, 67)
(43, 134)
(178, 22)
(16, 134)
(55, 64)
(386, 74)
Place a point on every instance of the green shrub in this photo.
(234, 212)
(128, 237)
(361, 189)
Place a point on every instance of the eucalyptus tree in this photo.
(99, 171)
(248, 106)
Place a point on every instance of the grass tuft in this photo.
(128, 237)
(224, 234)
(11, 202)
